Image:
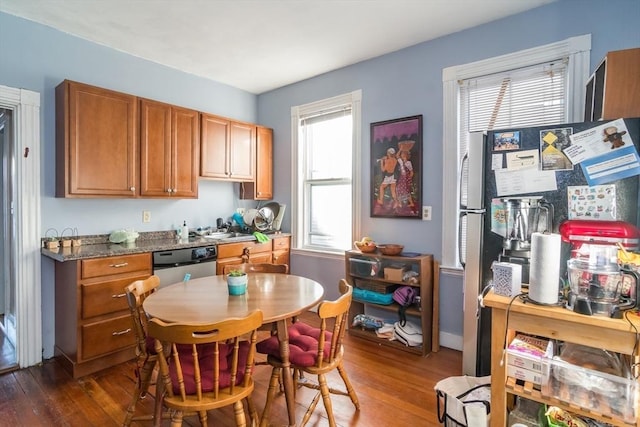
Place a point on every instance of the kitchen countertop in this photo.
(98, 246)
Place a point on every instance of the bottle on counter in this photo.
(184, 232)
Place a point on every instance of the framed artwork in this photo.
(396, 168)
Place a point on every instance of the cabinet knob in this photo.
(169, 190)
(132, 188)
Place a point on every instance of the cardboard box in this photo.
(395, 272)
(525, 375)
(530, 353)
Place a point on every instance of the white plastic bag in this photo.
(464, 401)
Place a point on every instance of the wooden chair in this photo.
(315, 351)
(258, 268)
(215, 371)
(145, 347)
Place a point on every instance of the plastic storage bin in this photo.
(365, 267)
(601, 392)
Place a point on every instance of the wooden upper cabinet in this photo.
(96, 142)
(169, 150)
(242, 153)
(214, 146)
(262, 187)
(227, 149)
(613, 89)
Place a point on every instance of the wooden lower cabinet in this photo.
(275, 251)
(281, 250)
(93, 326)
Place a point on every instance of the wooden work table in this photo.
(513, 315)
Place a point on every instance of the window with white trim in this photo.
(326, 171)
(538, 86)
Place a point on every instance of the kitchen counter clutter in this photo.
(563, 384)
(98, 246)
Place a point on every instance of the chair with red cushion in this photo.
(207, 366)
(136, 293)
(315, 351)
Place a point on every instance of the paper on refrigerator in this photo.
(521, 181)
(598, 140)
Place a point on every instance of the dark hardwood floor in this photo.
(395, 388)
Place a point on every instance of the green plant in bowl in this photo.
(237, 282)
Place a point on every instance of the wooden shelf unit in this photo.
(616, 335)
(427, 312)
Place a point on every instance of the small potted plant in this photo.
(237, 282)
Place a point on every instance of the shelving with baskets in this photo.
(367, 271)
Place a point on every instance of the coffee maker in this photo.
(598, 285)
(523, 217)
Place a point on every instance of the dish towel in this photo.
(261, 238)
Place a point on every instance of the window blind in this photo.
(531, 96)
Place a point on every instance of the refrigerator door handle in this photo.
(464, 213)
(462, 260)
(464, 160)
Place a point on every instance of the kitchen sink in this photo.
(230, 236)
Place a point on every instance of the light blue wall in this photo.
(409, 82)
(400, 84)
(38, 58)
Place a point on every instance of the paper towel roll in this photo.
(544, 274)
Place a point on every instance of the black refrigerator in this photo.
(544, 162)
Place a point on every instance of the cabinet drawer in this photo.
(105, 337)
(229, 250)
(281, 243)
(115, 265)
(105, 297)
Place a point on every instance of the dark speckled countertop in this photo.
(98, 246)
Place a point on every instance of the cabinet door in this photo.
(169, 150)
(185, 152)
(242, 151)
(262, 187)
(622, 85)
(96, 142)
(155, 149)
(214, 146)
(281, 257)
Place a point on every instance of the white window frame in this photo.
(298, 216)
(577, 49)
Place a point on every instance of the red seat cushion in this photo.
(303, 345)
(150, 344)
(205, 360)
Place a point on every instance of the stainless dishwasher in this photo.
(171, 266)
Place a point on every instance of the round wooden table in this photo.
(206, 300)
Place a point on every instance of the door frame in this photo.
(26, 244)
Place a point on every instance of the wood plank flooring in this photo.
(395, 388)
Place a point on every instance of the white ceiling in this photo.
(259, 45)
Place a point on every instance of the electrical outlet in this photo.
(240, 211)
(146, 216)
(426, 213)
